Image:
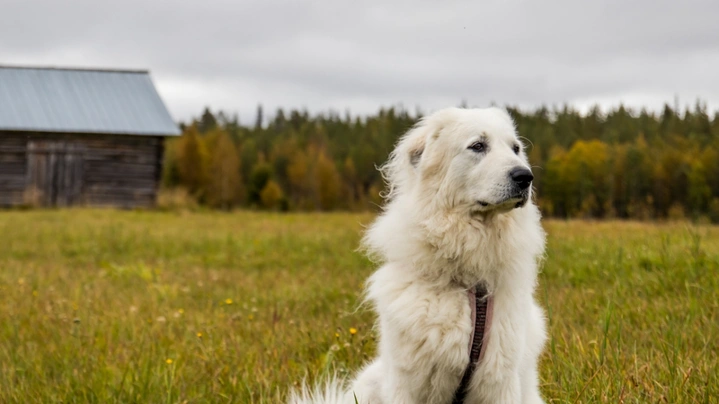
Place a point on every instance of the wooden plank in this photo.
(8, 158)
(137, 156)
(69, 175)
(12, 175)
(8, 184)
(121, 182)
(14, 168)
(11, 198)
(20, 149)
(120, 173)
(38, 182)
(12, 140)
(98, 164)
(118, 190)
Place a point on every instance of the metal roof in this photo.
(46, 99)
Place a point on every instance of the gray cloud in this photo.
(362, 55)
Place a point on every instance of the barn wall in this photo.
(85, 169)
(121, 170)
(13, 162)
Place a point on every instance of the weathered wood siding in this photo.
(13, 162)
(54, 172)
(82, 169)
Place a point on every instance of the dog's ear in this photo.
(402, 169)
(415, 148)
(415, 156)
(414, 142)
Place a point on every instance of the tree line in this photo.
(619, 164)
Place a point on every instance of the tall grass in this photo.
(106, 306)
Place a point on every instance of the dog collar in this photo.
(482, 305)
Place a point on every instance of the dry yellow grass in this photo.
(107, 306)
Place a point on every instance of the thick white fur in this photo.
(435, 241)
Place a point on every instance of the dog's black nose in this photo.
(521, 176)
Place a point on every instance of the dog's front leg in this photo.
(424, 345)
(507, 391)
(400, 390)
(425, 386)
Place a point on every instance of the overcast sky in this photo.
(360, 55)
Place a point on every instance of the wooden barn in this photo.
(80, 137)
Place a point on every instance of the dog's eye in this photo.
(478, 147)
(516, 149)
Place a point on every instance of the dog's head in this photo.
(466, 159)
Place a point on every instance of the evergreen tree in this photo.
(192, 161)
(328, 182)
(260, 176)
(224, 188)
(207, 122)
(259, 119)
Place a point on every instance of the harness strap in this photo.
(481, 304)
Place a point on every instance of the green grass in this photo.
(106, 306)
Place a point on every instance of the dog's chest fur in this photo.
(426, 330)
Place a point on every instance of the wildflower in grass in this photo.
(353, 330)
(181, 311)
(250, 317)
(168, 361)
(337, 335)
(199, 335)
(228, 301)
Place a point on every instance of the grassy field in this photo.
(105, 306)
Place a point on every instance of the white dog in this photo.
(459, 214)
